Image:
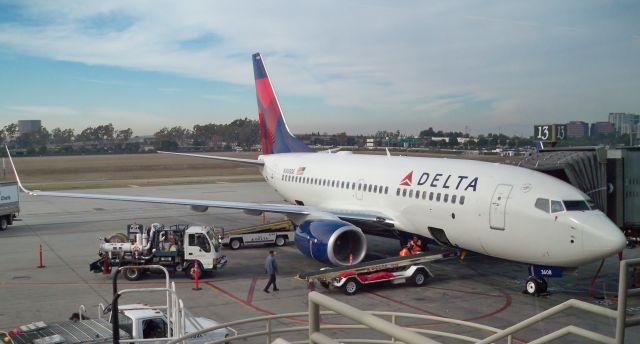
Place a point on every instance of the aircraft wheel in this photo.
(132, 274)
(235, 244)
(281, 241)
(419, 278)
(543, 285)
(351, 286)
(532, 287)
(3, 223)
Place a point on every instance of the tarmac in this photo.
(479, 288)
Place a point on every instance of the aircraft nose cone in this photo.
(604, 238)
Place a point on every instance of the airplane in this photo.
(497, 210)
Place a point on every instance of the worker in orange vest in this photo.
(415, 245)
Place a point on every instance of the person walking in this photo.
(271, 268)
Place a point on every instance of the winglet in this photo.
(15, 173)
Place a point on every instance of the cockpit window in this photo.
(556, 206)
(542, 204)
(576, 205)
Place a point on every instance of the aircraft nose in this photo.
(603, 238)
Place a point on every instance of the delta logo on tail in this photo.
(406, 181)
(274, 134)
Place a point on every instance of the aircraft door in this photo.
(498, 208)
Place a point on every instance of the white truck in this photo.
(9, 204)
(177, 248)
(134, 321)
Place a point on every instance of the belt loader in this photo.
(395, 270)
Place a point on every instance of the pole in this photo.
(40, 255)
(197, 273)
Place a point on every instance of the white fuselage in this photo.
(484, 207)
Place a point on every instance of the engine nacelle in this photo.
(332, 242)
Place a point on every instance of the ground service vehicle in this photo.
(394, 270)
(277, 233)
(177, 248)
(9, 203)
(134, 321)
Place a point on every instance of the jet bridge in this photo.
(610, 176)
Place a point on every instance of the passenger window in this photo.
(556, 206)
(364, 187)
(404, 192)
(438, 197)
(446, 198)
(424, 195)
(386, 190)
(461, 200)
(453, 199)
(431, 196)
(333, 183)
(369, 187)
(342, 184)
(410, 193)
(542, 204)
(398, 192)
(359, 186)
(353, 185)
(375, 189)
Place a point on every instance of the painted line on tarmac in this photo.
(252, 288)
(507, 304)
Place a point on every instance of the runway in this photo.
(479, 288)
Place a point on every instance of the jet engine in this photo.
(334, 242)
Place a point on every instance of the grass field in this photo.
(106, 171)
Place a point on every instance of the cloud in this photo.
(375, 56)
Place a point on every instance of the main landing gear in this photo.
(535, 286)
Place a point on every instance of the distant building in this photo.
(624, 123)
(577, 129)
(29, 126)
(370, 143)
(602, 128)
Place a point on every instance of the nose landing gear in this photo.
(536, 286)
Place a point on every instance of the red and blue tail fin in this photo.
(274, 133)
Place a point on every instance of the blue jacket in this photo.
(270, 265)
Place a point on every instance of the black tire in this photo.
(132, 274)
(324, 284)
(191, 271)
(419, 278)
(3, 223)
(351, 286)
(543, 285)
(281, 241)
(235, 244)
(532, 286)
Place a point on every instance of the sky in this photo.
(353, 66)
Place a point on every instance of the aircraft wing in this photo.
(367, 216)
(215, 157)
